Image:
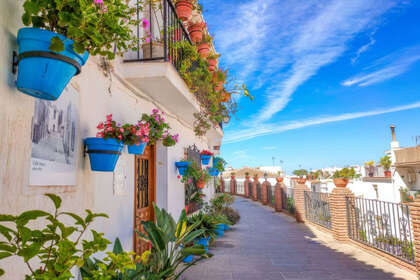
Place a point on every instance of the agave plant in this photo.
(170, 243)
(206, 222)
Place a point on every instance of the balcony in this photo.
(153, 67)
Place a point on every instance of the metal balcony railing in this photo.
(157, 41)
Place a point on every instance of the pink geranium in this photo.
(98, 2)
(109, 117)
(100, 125)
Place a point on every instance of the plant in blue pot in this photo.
(219, 163)
(205, 157)
(213, 171)
(105, 149)
(61, 35)
(182, 167)
(136, 137)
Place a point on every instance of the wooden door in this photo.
(144, 194)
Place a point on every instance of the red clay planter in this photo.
(341, 182)
(212, 64)
(196, 32)
(203, 50)
(218, 86)
(183, 9)
(301, 180)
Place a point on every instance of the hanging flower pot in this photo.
(42, 73)
(204, 50)
(183, 9)
(205, 157)
(182, 166)
(213, 171)
(212, 64)
(387, 173)
(103, 153)
(196, 31)
(137, 149)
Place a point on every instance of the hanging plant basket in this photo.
(103, 153)
(212, 64)
(213, 171)
(183, 9)
(137, 149)
(204, 50)
(205, 159)
(42, 73)
(196, 32)
(182, 166)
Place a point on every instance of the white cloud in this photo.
(364, 48)
(267, 129)
(387, 67)
(269, 148)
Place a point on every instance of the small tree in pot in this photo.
(341, 177)
(300, 173)
(386, 163)
(370, 167)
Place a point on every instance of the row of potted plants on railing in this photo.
(104, 149)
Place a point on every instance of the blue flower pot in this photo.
(137, 149)
(227, 227)
(103, 153)
(205, 159)
(42, 73)
(203, 241)
(220, 230)
(213, 171)
(182, 166)
(188, 259)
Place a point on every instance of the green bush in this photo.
(231, 214)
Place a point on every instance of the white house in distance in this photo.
(127, 91)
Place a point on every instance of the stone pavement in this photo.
(272, 246)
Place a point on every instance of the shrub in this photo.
(231, 214)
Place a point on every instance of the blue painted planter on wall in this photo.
(213, 171)
(137, 149)
(220, 230)
(182, 166)
(41, 73)
(103, 153)
(205, 159)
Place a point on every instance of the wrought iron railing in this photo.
(259, 192)
(317, 208)
(270, 196)
(383, 225)
(288, 201)
(158, 40)
(250, 189)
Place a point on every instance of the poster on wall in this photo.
(55, 141)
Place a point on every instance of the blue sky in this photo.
(328, 77)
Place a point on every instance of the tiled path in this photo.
(272, 246)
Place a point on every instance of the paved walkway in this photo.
(272, 246)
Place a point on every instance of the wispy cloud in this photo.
(267, 129)
(387, 67)
(269, 148)
(364, 48)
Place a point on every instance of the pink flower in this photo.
(179, 177)
(138, 133)
(109, 117)
(147, 39)
(108, 129)
(100, 135)
(120, 137)
(100, 125)
(145, 23)
(189, 181)
(146, 140)
(118, 124)
(100, 2)
(155, 111)
(122, 130)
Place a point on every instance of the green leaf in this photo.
(56, 44)
(30, 251)
(25, 217)
(26, 19)
(26, 233)
(31, 7)
(1, 272)
(8, 248)
(55, 198)
(4, 255)
(118, 249)
(6, 232)
(7, 218)
(79, 220)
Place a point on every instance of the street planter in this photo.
(212, 64)
(387, 174)
(196, 31)
(188, 259)
(136, 149)
(103, 153)
(301, 181)
(184, 9)
(204, 50)
(42, 73)
(226, 227)
(213, 171)
(220, 228)
(279, 180)
(205, 159)
(182, 166)
(203, 241)
(341, 182)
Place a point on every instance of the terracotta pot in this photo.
(219, 86)
(301, 180)
(387, 173)
(341, 182)
(183, 9)
(256, 178)
(204, 50)
(232, 177)
(247, 177)
(225, 97)
(196, 32)
(212, 64)
(279, 180)
(201, 184)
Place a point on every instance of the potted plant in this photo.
(105, 149)
(195, 29)
(247, 175)
(136, 137)
(341, 177)
(182, 166)
(279, 178)
(184, 8)
(62, 36)
(370, 167)
(219, 163)
(203, 47)
(212, 61)
(195, 174)
(213, 171)
(159, 129)
(300, 173)
(219, 80)
(255, 177)
(205, 157)
(232, 175)
(386, 163)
